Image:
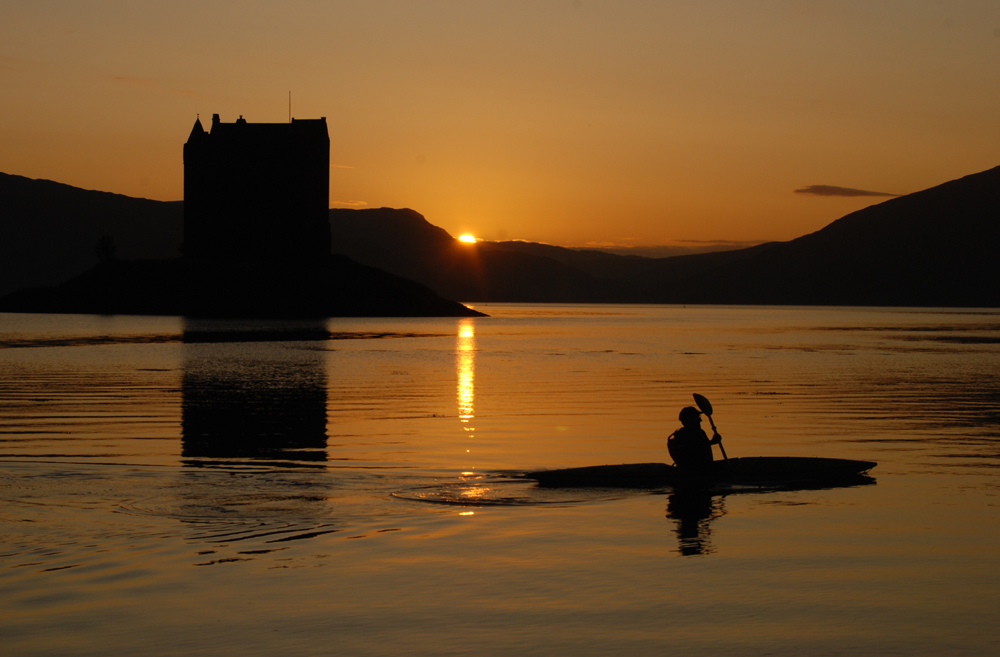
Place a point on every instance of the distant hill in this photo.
(931, 248)
(937, 247)
(49, 263)
(404, 243)
(49, 231)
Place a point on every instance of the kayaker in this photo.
(689, 446)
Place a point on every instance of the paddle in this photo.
(706, 407)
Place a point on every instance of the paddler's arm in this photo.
(716, 439)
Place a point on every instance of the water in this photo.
(350, 486)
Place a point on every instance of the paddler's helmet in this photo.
(689, 414)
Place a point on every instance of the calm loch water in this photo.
(350, 487)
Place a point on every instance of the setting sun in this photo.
(467, 238)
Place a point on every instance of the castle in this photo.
(257, 192)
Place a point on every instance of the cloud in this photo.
(340, 166)
(353, 204)
(832, 190)
(620, 243)
(736, 244)
(674, 248)
(680, 247)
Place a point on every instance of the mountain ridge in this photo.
(49, 263)
(934, 247)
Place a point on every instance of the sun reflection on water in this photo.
(465, 364)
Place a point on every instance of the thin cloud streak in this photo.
(349, 203)
(736, 244)
(674, 248)
(674, 244)
(832, 190)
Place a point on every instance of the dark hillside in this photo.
(332, 287)
(406, 244)
(49, 231)
(937, 247)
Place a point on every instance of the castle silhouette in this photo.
(256, 243)
(257, 191)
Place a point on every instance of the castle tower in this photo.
(257, 192)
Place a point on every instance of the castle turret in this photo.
(197, 132)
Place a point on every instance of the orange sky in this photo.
(570, 122)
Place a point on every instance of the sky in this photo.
(573, 122)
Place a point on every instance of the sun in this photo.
(467, 238)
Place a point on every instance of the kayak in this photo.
(745, 471)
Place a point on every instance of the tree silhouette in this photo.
(105, 249)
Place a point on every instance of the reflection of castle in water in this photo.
(250, 399)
